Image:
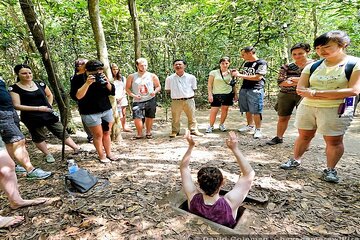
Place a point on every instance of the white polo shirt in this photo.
(181, 86)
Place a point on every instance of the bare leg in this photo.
(42, 147)
(6, 222)
(249, 119)
(302, 142)
(69, 142)
(18, 152)
(213, 113)
(97, 133)
(257, 120)
(8, 183)
(148, 125)
(334, 150)
(224, 113)
(123, 120)
(139, 126)
(106, 140)
(282, 125)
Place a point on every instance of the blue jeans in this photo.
(251, 100)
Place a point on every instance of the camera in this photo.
(100, 78)
(232, 82)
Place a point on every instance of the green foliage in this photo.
(200, 31)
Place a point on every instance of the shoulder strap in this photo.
(43, 93)
(315, 66)
(349, 67)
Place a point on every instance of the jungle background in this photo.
(132, 199)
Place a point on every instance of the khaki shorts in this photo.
(325, 121)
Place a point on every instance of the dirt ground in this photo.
(131, 200)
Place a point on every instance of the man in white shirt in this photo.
(181, 86)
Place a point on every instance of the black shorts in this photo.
(144, 109)
(222, 100)
(38, 134)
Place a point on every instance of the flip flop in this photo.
(6, 222)
(137, 137)
(105, 160)
(113, 158)
(149, 136)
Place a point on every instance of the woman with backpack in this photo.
(328, 93)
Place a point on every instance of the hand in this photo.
(305, 92)
(44, 109)
(232, 141)
(90, 79)
(210, 98)
(189, 138)
(234, 73)
(137, 97)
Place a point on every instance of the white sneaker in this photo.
(246, 128)
(222, 128)
(257, 133)
(49, 158)
(209, 129)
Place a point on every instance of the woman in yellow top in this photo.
(324, 93)
(220, 93)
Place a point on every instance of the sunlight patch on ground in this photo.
(273, 184)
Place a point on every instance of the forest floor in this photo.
(133, 199)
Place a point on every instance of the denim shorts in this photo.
(222, 100)
(38, 134)
(144, 109)
(92, 120)
(251, 100)
(9, 127)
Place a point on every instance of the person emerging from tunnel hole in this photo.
(206, 201)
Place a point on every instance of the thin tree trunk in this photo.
(93, 7)
(136, 28)
(37, 31)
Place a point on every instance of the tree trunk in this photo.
(37, 31)
(93, 7)
(136, 28)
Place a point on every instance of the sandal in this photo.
(105, 160)
(137, 137)
(113, 158)
(149, 136)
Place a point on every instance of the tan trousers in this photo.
(188, 106)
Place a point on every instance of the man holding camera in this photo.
(91, 91)
(181, 86)
(251, 96)
(143, 86)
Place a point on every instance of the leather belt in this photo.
(183, 98)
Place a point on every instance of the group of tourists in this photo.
(323, 92)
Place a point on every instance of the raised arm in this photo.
(81, 92)
(237, 195)
(187, 182)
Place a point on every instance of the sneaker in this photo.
(19, 169)
(49, 158)
(274, 141)
(209, 129)
(222, 128)
(290, 164)
(197, 133)
(38, 173)
(257, 133)
(246, 128)
(173, 134)
(330, 175)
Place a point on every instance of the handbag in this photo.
(81, 180)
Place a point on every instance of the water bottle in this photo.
(72, 166)
(349, 106)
